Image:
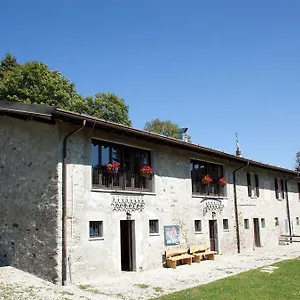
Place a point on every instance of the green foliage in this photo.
(167, 128)
(251, 285)
(8, 63)
(109, 107)
(34, 82)
(298, 161)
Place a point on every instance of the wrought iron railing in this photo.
(121, 181)
(211, 189)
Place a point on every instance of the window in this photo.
(263, 223)
(297, 220)
(253, 185)
(279, 188)
(127, 175)
(276, 188)
(200, 169)
(298, 184)
(282, 188)
(198, 226)
(225, 224)
(276, 221)
(96, 229)
(246, 223)
(153, 226)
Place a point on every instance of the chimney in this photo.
(183, 134)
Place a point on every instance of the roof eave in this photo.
(51, 114)
(166, 140)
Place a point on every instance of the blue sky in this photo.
(216, 67)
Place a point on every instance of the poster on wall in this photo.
(171, 235)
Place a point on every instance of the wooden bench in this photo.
(174, 255)
(202, 251)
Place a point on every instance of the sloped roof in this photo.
(51, 114)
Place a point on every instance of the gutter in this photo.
(64, 203)
(237, 227)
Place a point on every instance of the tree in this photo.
(34, 82)
(8, 63)
(109, 107)
(167, 128)
(298, 161)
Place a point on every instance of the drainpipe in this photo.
(238, 243)
(64, 203)
(288, 207)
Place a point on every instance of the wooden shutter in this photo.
(282, 188)
(249, 184)
(276, 188)
(256, 185)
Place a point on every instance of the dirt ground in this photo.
(16, 284)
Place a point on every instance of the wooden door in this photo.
(127, 232)
(213, 235)
(256, 232)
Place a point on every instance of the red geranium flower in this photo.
(146, 171)
(112, 167)
(206, 179)
(223, 181)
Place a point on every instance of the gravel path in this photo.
(15, 284)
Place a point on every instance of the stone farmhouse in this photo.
(68, 213)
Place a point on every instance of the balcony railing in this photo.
(212, 189)
(121, 181)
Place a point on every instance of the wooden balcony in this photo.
(211, 189)
(121, 181)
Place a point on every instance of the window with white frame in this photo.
(153, 227)
(225, 224)
(263, 223)
(198, 226)
(297, 220)
(279, 188)
(246, 223)
(276, 221)
(253, 185)
(96, 229)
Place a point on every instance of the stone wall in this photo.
(171, 202)
(29, 197)
(294, 204)
(30, 215)
(266, 207)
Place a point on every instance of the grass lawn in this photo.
(283, 283)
